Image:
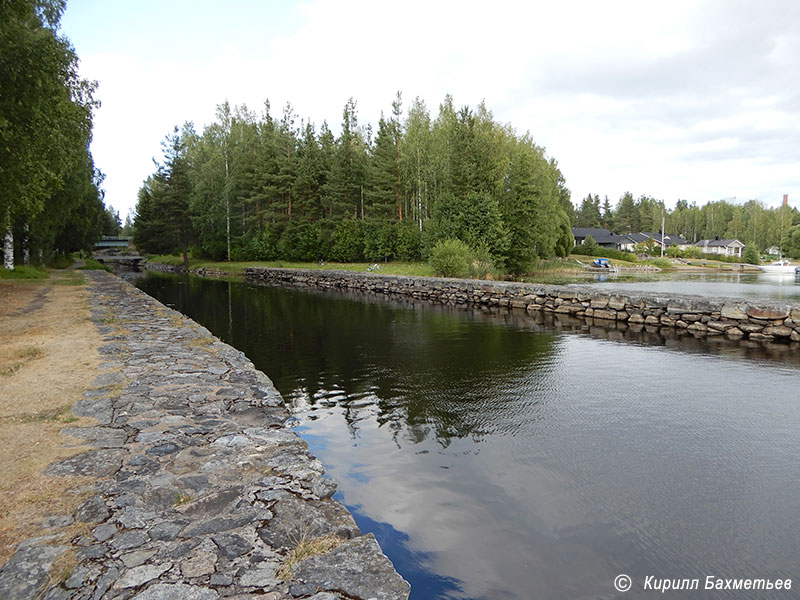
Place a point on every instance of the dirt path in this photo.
(48, 358)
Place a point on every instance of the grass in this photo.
(68, 278)
(20, 272)
(19, 358)
(415, 269)
(55, 343)
(550, 267)
(181, 499)
(306, 548)
(94, 265)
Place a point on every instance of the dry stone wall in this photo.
(197, 487)
(734, 318)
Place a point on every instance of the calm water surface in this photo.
(495, 460)
(753, 286)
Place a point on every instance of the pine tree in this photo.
(346, 181)
(163, 220)
(383, 196)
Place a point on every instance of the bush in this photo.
(348, 241)
(379, 241)
(481, 264)
(617, 254)
(60, 261)
(259, 245)
(300, 242)
(581, 250)
(91, 264)
(590, 246)
(751, 255)
(408, 241)
(692, 252)
(451, 258)
(661, 263)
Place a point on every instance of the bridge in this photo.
(130, 260)
(116, 249)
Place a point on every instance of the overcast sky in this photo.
(693, 100)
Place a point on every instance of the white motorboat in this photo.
(780, 267)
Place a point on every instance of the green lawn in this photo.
(20, 272)
(236, 268)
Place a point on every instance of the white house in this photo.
(726, 247)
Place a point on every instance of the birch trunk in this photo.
(8, 250)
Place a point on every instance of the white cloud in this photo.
(685, 100)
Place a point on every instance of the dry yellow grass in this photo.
(306, 548)
(48, 358)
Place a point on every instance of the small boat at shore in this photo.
(780, 267)
(603, 265)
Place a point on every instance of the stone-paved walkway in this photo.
(201, 492)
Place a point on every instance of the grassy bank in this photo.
(236, 268)
(48, 358)
(543, 268)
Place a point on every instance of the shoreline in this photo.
(732, 318)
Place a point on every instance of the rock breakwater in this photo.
(200, 490)
(734, 318)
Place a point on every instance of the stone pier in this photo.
(733, 318)
(199, 490)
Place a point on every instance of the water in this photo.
(497, 459)
(753, 286)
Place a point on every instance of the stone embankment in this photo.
(180, 269)
(200, 490)
(734, 318)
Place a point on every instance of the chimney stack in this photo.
(786, 199)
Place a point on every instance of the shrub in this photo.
(581, 250)
(379, 241)
(617, 254)
(348, 241)
(751, 255)
(590, 245)
(692, 252)
(481, 264)
(451, 258)
(259, 245)
(300, 241)
(661, 263)
(408, 241)
(60, 261)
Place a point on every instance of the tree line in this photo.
(750, 222)
(256, 187)
(50, 198)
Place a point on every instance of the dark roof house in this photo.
(643, 237)
(603, 237)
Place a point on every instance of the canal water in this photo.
(495, 459)
(752, 286)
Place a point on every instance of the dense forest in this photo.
(749, 222)
(50, 198)
(253, 187)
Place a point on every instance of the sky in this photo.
(675, 100)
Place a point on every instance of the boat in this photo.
(603, 265)
(780, 267)
(599, 265)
